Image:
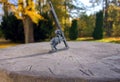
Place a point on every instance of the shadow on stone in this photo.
(28, 56)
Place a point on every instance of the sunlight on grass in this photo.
(109, 40)
(85, 39)
(112, 40)
(6, 44)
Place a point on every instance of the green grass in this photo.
(108, 40)
(5, 43)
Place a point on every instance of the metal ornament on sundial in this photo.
(59, 34)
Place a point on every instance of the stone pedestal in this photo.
(82, 62)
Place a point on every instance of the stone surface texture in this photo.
(82, 62)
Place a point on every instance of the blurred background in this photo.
(28, 21)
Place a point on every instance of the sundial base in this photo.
(82, 62)
(58, 50)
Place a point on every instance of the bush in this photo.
(86, 25)
(1, 33)
(66, 32)
(73, 31)
(44, 29)
(12, 28)
(98, 30)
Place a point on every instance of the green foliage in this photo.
(44, 29)
(114, 17)
(86, 25)
(1, 33)
(116, 29)
(66, 32)
(98, 31)
(12, 28)
(73, 31)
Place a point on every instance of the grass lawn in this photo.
(5, 43)
(108, 40)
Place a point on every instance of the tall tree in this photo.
(73, 31)
(25, 10)
(86, 25)
(113, 18)
(106, 22)
(110, 15)
(98, 31)
(28, 15)
(5, 6)
(41, 6)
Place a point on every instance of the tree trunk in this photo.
(109, 29)
(5, 7)
(28, 30)
(106, 22)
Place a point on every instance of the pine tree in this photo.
(73, 31)
(98, 30)
(12, 28)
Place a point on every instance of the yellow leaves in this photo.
(34, 16)
(3, 1)
(112, 13)
(20, 8)
(31, 12)
(30, 2)
(13, 8)
(109, 19)
(18, 15)
(25, 7)
(28, 8)
(20, 1)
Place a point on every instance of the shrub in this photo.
(44, 29)
(98, 30)
(73, 31)
(12, 28)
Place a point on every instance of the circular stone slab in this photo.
(83, 61)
